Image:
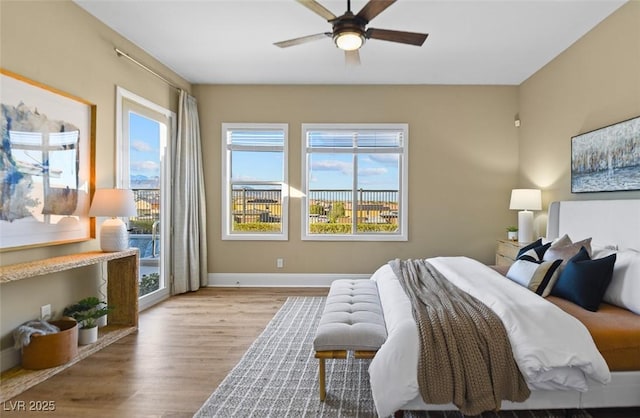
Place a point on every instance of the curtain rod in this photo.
(121, 53)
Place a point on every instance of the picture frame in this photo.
(47, 165)
(607, 159)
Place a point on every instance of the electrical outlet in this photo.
(45, 312)
(279, 263)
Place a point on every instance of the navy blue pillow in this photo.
(584, 281)
(581, 255)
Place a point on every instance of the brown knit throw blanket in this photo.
(465, 354)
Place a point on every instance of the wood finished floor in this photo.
(184, 348)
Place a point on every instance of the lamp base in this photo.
(525, 226)
(114, 235)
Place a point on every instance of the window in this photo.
(354, 182)
(255, 188)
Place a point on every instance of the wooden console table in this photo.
(122, 293)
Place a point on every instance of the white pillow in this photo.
(624, 289)
(602, 251)
(537, 277)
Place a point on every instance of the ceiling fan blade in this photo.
(374, 8)
(352, 58)
(302, 40)
(411, 38)
(317, 8)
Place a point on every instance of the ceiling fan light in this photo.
(349, 41)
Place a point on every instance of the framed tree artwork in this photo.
(607, 159)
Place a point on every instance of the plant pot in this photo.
(512, 235)
(52, 350)
(87, 335)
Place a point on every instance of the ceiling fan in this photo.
(350, 31)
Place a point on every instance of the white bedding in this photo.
(552, 349)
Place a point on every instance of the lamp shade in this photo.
(526, 199)
(113, 203)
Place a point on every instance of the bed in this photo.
(568, 370)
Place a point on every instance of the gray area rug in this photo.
(278, 377)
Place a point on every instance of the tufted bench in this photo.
(352, 321)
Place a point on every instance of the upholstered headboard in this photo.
(606, 221)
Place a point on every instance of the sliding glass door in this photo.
(145, 131)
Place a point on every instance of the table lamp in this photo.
(525, 200)
(113, 203)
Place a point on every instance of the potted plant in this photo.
(87, 312)
(512, 232)
(88, 332)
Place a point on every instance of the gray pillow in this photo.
(565, 252)
(562, 241)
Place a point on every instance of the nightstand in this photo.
(507, 251)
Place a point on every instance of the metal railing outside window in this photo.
(251, 205)
(148, 206)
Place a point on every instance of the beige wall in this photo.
(462, 166)
(595, 83)
(60, 45)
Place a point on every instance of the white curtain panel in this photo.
(188, 214)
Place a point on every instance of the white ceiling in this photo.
(470, 42)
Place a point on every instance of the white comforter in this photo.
(552, 349)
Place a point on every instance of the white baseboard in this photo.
(9, 357)
(278, 279)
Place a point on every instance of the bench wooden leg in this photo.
(338, 354)
(322, 355)
(323, 390)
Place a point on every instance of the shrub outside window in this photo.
(354, 182)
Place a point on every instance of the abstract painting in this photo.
(46, 165)
(607, 159)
